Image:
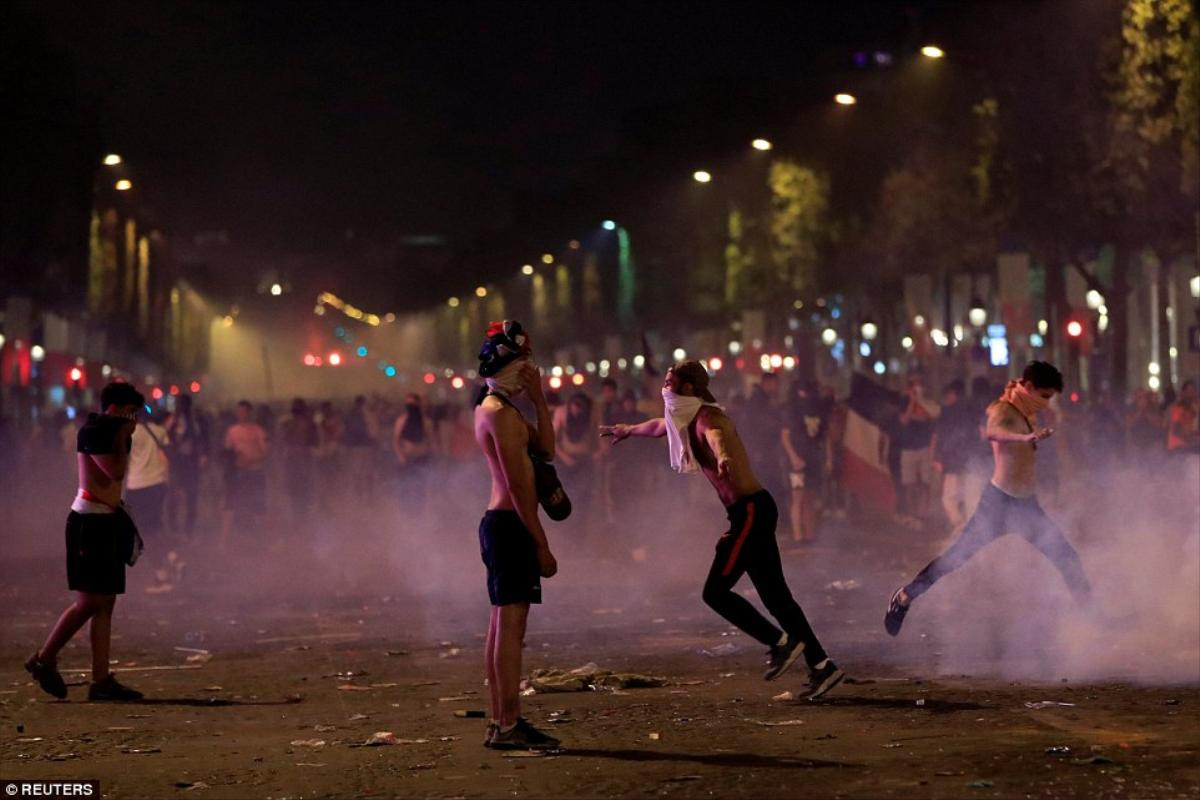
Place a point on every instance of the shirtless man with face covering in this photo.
(702, 438)
(1009, 503)
(512, 542)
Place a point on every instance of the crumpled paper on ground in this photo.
(587, 678)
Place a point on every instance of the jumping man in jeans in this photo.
(702, 438)
(1009, 503)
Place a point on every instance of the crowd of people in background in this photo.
(262, 473)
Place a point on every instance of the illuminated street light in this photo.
(701, 176)
(1194, 286)
(1094, 299)
(639, 361)
(829, 337)
(547, 258)
(843, 99)
(481, 291)
(527, 269)
(276, 289)
(869, 331)
(977, 316)
(735, 348)
(1154, 383)
(907, 343)
(37, 352)
(124, 185)
(112, 160)
(939, 337)
(680, 354)
(933, 51)
(1043, 326)
(919, 321)
(715, 364)
(1153, 368)
(1074, 329)
(453, 302)
(608, 225)
(761, 144)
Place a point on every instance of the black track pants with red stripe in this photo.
(750, 548)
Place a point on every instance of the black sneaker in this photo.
(523, 736)
(821, 680)
(109, 691)
(781, 657)
(894, 617)
(492, 730)
(47, 676)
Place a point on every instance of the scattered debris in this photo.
(191, 786)
(589, 677)
(1083, 762)
(324, 728)
(1171, 702)
(949, 774)
(782, 723)
(980, 785)
(358, 717)
(654, 737)
(140, 751)
(348, 674)
(29, 740)
(213, 689)
(199, 658)
(351, 687)
(308, 743)
(1049, 704)
(20, 727)
(470, 714)
(384, 685)
(526, 753)
(451, 653)
(395, 652)
(683, 778)
(891, 745)
(458, 698)
(921, 702)
(198, 650)
(1058, 750)
(562, 717)
(843, 586)
(726, 649)
(825, 737)
(783, 697)
(309, 764)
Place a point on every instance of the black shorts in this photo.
(98, 546)
(510, 554)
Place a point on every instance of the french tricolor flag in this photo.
(865, 444)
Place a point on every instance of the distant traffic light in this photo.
(1074, 329)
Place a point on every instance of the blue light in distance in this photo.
(362, 351)
(390, 371)
(608, 225)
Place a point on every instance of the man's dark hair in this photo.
(119, 393)
(1043, 375)
(246, 404)
(957, 386)
(770, 376)
(609, 383)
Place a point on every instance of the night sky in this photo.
(504, 128)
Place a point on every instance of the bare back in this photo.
(740, 480)
(1016, 466)
(487, 431)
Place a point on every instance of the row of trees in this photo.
(1080, 127)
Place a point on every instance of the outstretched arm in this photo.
(1007, 426)
(651, 428)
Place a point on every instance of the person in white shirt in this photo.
(146, 489)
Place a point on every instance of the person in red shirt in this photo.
(1183, 435)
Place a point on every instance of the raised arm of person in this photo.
(1005, 424)
(651, 428)
(543, 433)
(116, 463)
(510, 444)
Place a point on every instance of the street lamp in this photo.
(701, 176)
(481, 291)
(547, 258)
(843, 99)
(608, 225)
(977, 314)
(869, 331)
(112, 160)
(276, 290)
(124, 185)
(829, 337)
(453, 302)
(527, 269)
(932, 51)
(761, 144)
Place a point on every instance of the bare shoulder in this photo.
(1003, 414)
(714, 417)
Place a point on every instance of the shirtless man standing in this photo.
(1009, 503)
(702, 438)
(101, 540)
(511, 540)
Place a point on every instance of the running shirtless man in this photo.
(702, 438)
(1009, 503)
(511, 539)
